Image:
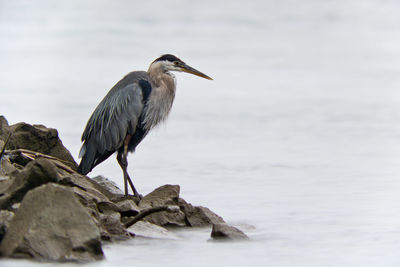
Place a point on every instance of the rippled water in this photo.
(296, 140)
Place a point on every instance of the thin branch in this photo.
(147, 212)
(35, 154)
(32, 155)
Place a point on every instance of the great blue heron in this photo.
(134, 106)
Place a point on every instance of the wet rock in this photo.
(36, 173)
(223, 231)
(149, 230)
(36, 138)
(198, 215)
(51, 224)
(163, 196)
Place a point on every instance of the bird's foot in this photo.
(139, 196)
(135, 198)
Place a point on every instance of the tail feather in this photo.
(83, 168)
(91, 158)
(88, 155)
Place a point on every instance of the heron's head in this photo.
(169, 62)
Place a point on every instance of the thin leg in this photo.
(123, 162)
(135, 192)
(124, 166)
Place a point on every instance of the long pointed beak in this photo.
(191, 70)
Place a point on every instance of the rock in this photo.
(3, 123)
(163, 196)
(127, 207)
(188, 215)
(221, 231)
(92, 190)
(107, 207)
(50, 212)
(5, 218)
(111, 223)
(36, 138)
(51, 224)
(149, 230)
(108, 184)
(106, 213)
(198, 215)
(36, 173)
(6, 167)
(113, 192)
(5, 182)
(86, 183)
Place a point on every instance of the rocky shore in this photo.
(49, 212)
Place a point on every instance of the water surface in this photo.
(296, 140)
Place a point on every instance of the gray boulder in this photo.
(50, 212)
(189, 215)
(197, 216)
(149, 230)
(51, 224)
(35, 173)
(108, 184)
(106, 213)
(37, 138)
(163, 196)
(223, 231)
(111, 226)
(5, 219)
(6, 167)
(127, 207)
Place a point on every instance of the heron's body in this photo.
(135, 105)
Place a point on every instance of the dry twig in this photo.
(32, 155)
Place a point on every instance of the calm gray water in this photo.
(296, 141)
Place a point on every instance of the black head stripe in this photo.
(167, 57)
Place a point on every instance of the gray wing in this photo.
(116, 116)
